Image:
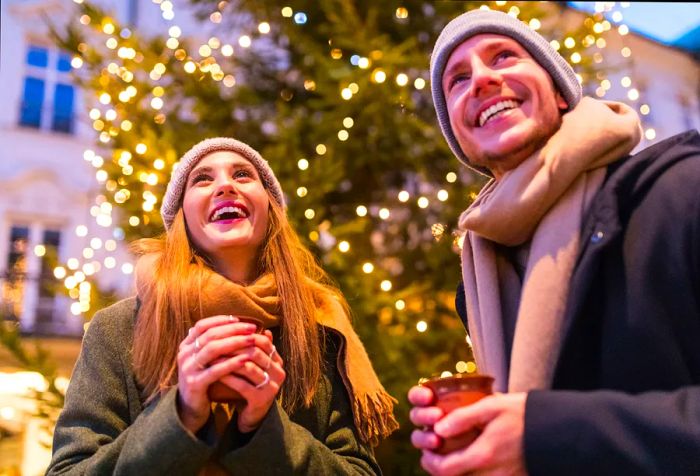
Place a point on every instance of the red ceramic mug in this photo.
(218, 392)
(456, 391)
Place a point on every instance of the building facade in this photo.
(47, 189)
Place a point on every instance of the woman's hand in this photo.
(258, 380)
(199, 363)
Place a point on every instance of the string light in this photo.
(120, 193)
(378, 76)
(264, 28)
(227, 50)
(300, 18)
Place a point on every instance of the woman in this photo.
(176, 381)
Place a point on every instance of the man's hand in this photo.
(499, 448)
(424, 415)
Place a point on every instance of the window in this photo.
(30, 293)
(37, 56)
(14, 279)
(47, 282)
(63, 108)
(31, 104)
(49, 96)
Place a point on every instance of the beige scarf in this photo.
(372, 406)
(538, 206)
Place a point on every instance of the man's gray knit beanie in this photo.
(476, 22)
(176, 187)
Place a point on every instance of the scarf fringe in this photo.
(374, 416)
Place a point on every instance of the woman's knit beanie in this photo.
(176, 187)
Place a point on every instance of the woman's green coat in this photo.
(104, 427)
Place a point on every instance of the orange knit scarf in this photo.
(372, 406)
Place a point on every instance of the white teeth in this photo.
(237, 210)
(496, 108)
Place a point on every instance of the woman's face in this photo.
(225, 206)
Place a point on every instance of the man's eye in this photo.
(505, 54)
(458, 78)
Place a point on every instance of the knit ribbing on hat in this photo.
(478, 22)
(176, 186)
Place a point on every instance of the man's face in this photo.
(502, 104)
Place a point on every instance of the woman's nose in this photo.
(225, 186)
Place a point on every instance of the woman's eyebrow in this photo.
(202, 169)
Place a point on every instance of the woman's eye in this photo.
(200, 178)
(242, 174)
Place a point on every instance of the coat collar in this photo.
(626, 183)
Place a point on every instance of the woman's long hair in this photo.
(164, 320)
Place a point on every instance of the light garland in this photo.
(109, 122)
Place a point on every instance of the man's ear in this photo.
(561, 103)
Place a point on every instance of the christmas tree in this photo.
(335, 95)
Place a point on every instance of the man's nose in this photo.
(484, 78)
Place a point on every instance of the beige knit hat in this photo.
(176, 187)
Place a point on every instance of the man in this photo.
(581, 269)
